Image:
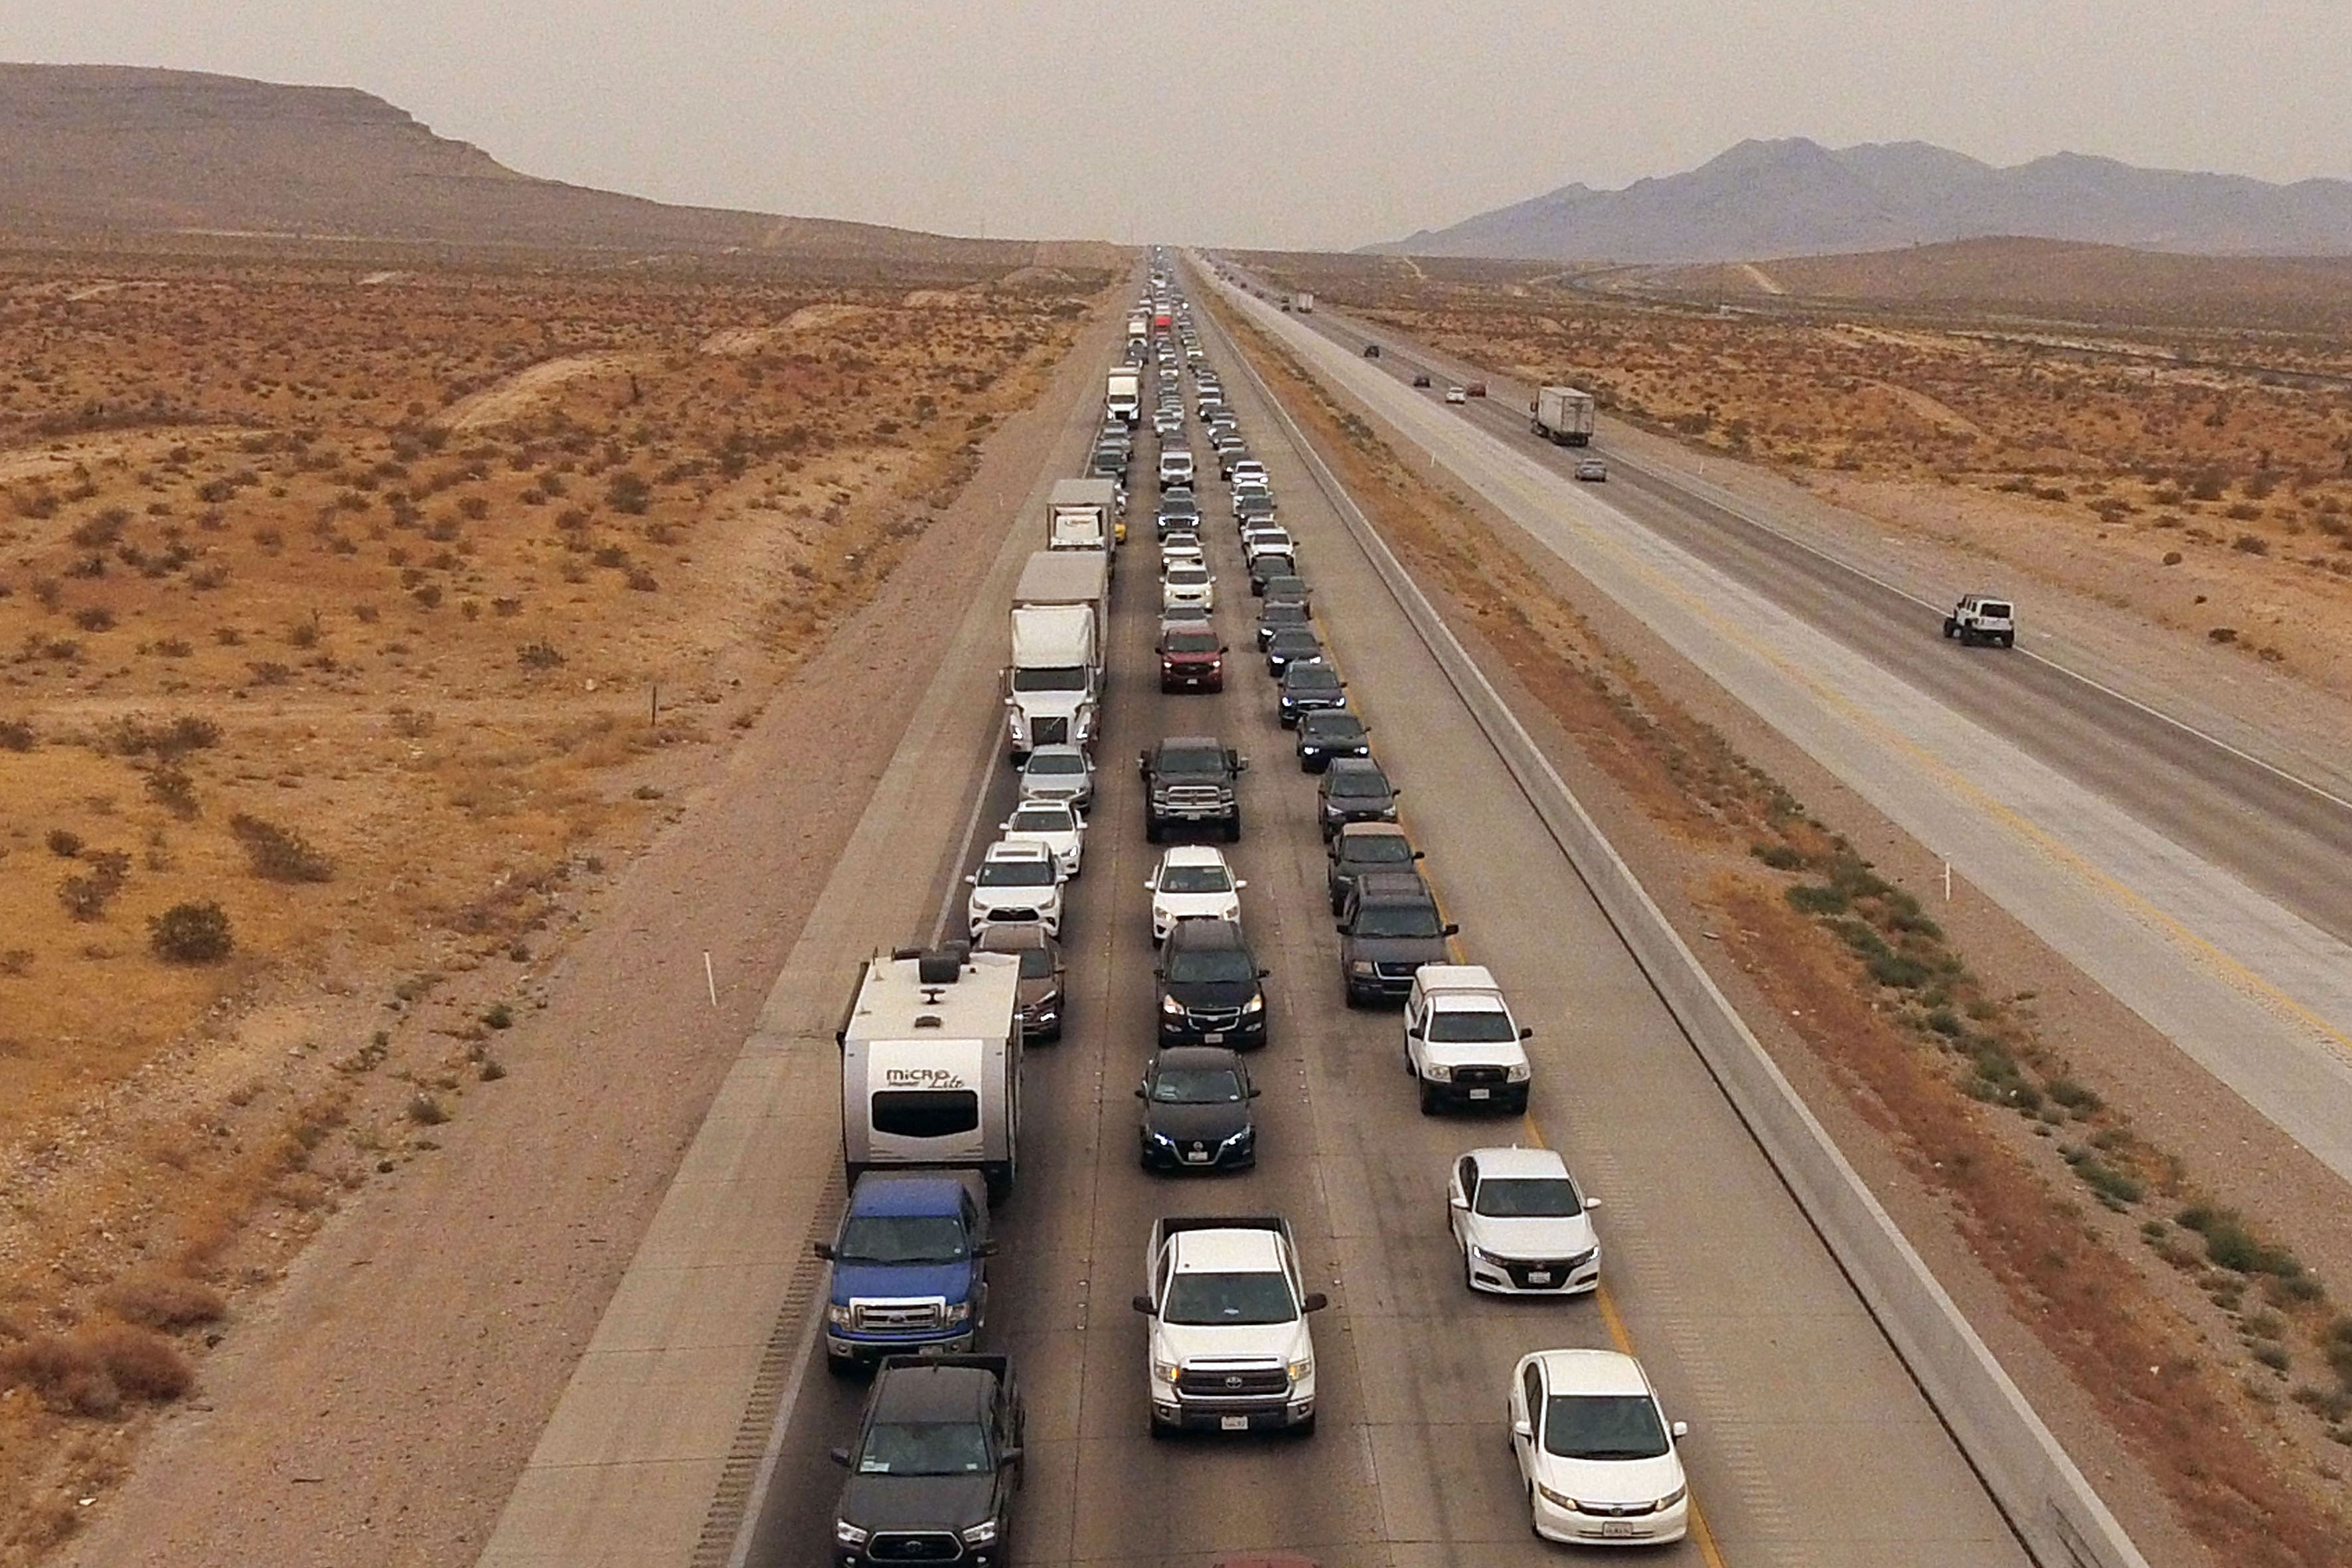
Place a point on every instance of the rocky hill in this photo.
(1795, 197)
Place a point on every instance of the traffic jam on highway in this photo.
(932, 1040)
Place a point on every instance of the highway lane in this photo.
(1811, 1446)
(2286, 836)
(2244, 986)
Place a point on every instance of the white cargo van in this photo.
(930, 1064)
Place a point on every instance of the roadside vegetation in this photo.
(352, 623)
(2219, 1358)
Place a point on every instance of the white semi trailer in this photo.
(1563, 415)
(930, 1066)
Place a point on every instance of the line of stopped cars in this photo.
(932, 1041)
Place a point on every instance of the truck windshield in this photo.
(1192, 760)
(1528, 1197)
(1471, 1027)
(1397, 921)
(902, 1238)
(1204, 1298)
(1191, 642)
(1050, 677)
(924, 1449)
(1604, 1427)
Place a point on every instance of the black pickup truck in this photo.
(936, 1461)
(1191, 778)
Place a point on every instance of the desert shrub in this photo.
(539, 656)
(94, 618)
(17, 735)
(166, 739)
(278, 853)
(64, 843)
(162, 1301)
(1807, 898)
(64, 1374)
(191, 933)
(627, 491)
(86, 896)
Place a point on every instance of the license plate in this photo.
(1196, 1159)
(1233, 1423)
(1538, 1276)
(1214, 1037)
(930, 1349)
(1620, 1528)
(1482, 1094)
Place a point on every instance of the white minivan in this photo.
(1175, 469)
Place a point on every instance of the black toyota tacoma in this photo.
(936, 1463)
(1191, 778)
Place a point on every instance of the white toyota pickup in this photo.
(1230, 1349)
(1461, 1043)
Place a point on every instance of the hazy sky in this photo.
(1288, 122)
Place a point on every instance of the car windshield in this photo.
(1041, 819)
(1471, 1026)
(1397, 921)
(1036, 963)
(1187, 576)
(1334, 726)
(1016, 873)
(1604, 1427)
(1358, 787)
(1056, 763)
(1196, 880)
(1262, 1298)
(924, 1449)
(1290, 615)
(1191, 642)
(1273, 563)
(902, 1238)
(1528, 1197)
(1377, 849)
(1059, 678)
(1311, 678)
(1197, 1086)
(1210, 966)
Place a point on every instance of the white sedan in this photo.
(1521, 1223)
(1058, 772)
(1057, 825)
(1596, 1450)
(1187, 585)
(1017, 884)
(1192, 882)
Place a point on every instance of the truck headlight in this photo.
(1255, 1003)
(1438, 1072)
(848, 1534)
(955, 1312)
(980, 1534)
(1165, 1372)
(1301, 1368)
(837, 1315)
(1172, 1007)
(1521, 1072)
(1360, 966)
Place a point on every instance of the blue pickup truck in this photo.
(910, 1266)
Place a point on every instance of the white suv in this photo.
(1192, 882)
(1596, 1451)
(1521, 1223)
(1983, 617)
(1187, 584)
(1017, 883)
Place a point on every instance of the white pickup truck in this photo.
(1461, 1043)
(1230, 1349)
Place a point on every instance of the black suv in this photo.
(1266, 565)
(1389, 927)
(1330, 733)
(936, 1463)
(1272, 618)
(1191, 778)
(1364, 847)
(1209, 990)
(1306, 687)
(1354, 789)
(1291, 645)
(1196, 1112)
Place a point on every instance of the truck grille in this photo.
(914, 1546)
(1233, 1382)
(898, 1317)
(1481, 1075)
(1195, 797)
(1401, 973)
(1049, 732)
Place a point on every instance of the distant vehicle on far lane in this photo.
(1592, 470)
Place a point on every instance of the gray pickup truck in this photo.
(1191, 778)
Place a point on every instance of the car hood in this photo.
(1186, 906)
(1031, 991)
(905, 1281)
(1610, 1480)
(917, 1503)
(1214, 1124)
(1210, 1342)
(1178, 656)
(1213, 994)
(1025, 898)
(1531, 1237)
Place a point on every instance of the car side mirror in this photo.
(1143, 1305)
(1241, 765)
(1681, 1429)
(1453, 929)
(984, 1249)
(1011, 1456)
(841, 1456)
(1265, 974)
(1592, 1203)
(1152, 884)
(1255, 1091)
(1458, 1202)
(1396, 789)
(822, 1249)
(1526, 1033)
(1316, 1302)
(1221, 648)
(1138, 1091)
(1339, 926)
(1239, 883)
(1524, 1429)
(973, 879)
(1009, 702)
(1421, 854)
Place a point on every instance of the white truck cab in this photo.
(1461, 1043)
(1230, 1349)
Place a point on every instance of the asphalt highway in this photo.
(1811, 1448)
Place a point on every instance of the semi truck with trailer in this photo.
(930, 1066)
(1053, 688)
(1562, 416)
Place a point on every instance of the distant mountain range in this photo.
(1795, 197)
(123, 151)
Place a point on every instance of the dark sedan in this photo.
(1292, 645)
(1196, 1112)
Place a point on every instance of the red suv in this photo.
(1191, 658)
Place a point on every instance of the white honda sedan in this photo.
(1522, 1225)
(1192, 882)
(1596, 1451)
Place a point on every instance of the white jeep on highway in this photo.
(1982, 617)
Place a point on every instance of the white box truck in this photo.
(1563, 415)
(1123, 395)
(1306, 304)
(1080, 514)
(930, 1066)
